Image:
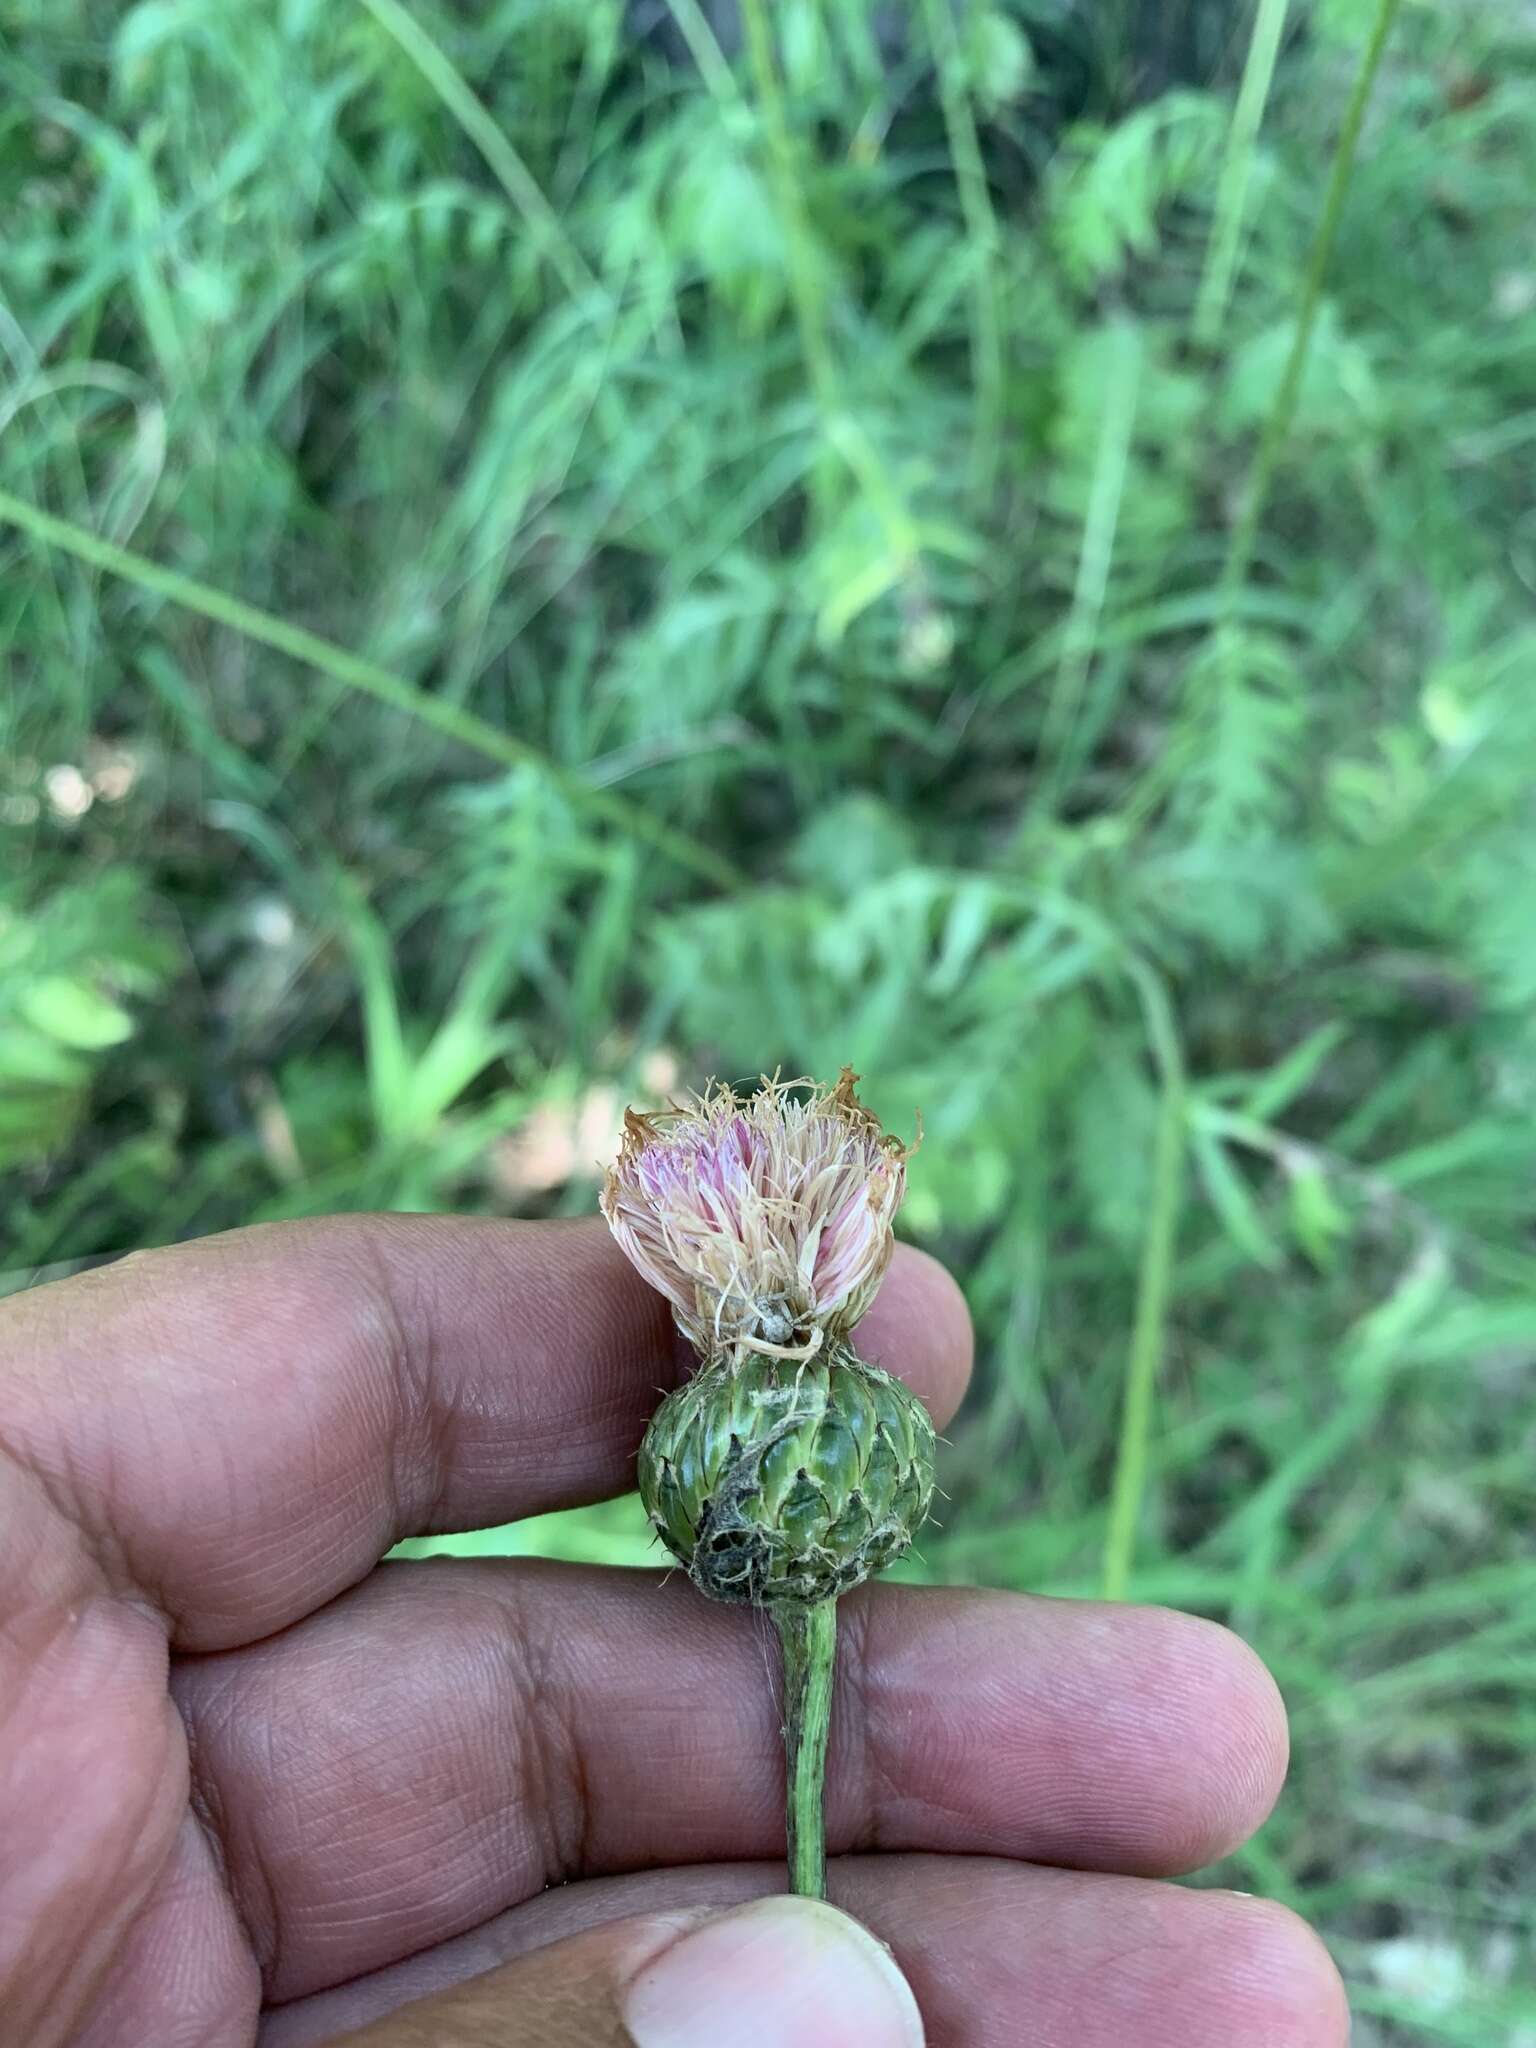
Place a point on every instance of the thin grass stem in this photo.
(1106, 491)
(846, 435)
(511, 173)
(1283, 411)
(1237, 170)
(1153, 1285)
(981, 229)
(804, 286)
(371, 680)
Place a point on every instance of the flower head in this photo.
(764, 1219)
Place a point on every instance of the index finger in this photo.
(243, 1425)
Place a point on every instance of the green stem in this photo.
(844, 433)
(1237, 169)
(1153, 1284)
(511, 173)
(809, 1637)
(704, 48)
(1226, 637)
(1278, 425)
(355, 673)
(982, 233)
(804, 282)
(1106, 493)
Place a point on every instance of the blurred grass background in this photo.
(825, 545)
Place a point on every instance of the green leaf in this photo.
(999, 61)
(1110, 185)
(1318, 1221)
(1278, 1088)
(1338, 385)
(1113, 1116)
(75, 1014)
(1232, 1200)
(28, 1059)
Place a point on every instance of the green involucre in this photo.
(774, 1481)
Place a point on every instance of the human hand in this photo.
(257, 1787)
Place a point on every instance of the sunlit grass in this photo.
(542, 554)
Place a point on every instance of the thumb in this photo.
(779, 1973)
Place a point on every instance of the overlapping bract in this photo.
(773, 1482)
(786, 1470)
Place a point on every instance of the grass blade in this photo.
(1153, 1284)
(1237, 170)
(1278, 425)
(367, 676)
(511, 173)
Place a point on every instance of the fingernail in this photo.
(780, 1973)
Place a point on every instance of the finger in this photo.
(775, 1973)
(997, 1954)
(455, 1735)
(242, 1426)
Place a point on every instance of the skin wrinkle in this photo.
(267, 1878)
(677, 1787)
(19, 1481)
(852, 1720)
(137, 1310)
(206, 1808)
(134, 1769)
(880, 1717)
(609, 1400)
(528, 1804)
(421, 1429)
(264, 1926)
(189, 1939)
(541, 1732)
(62, 1504)
(982, 1940)
(389, 1751)
(156, 1295)
(369, 1899)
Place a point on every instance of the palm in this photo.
(370, 1779)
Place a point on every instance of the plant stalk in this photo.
(1237, 169)
(1283, 409)
(511, 173)
(981, 231)
(846, 435)
(809, 1637)
(1153, 1286)
(355, 673)
(800, 256)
